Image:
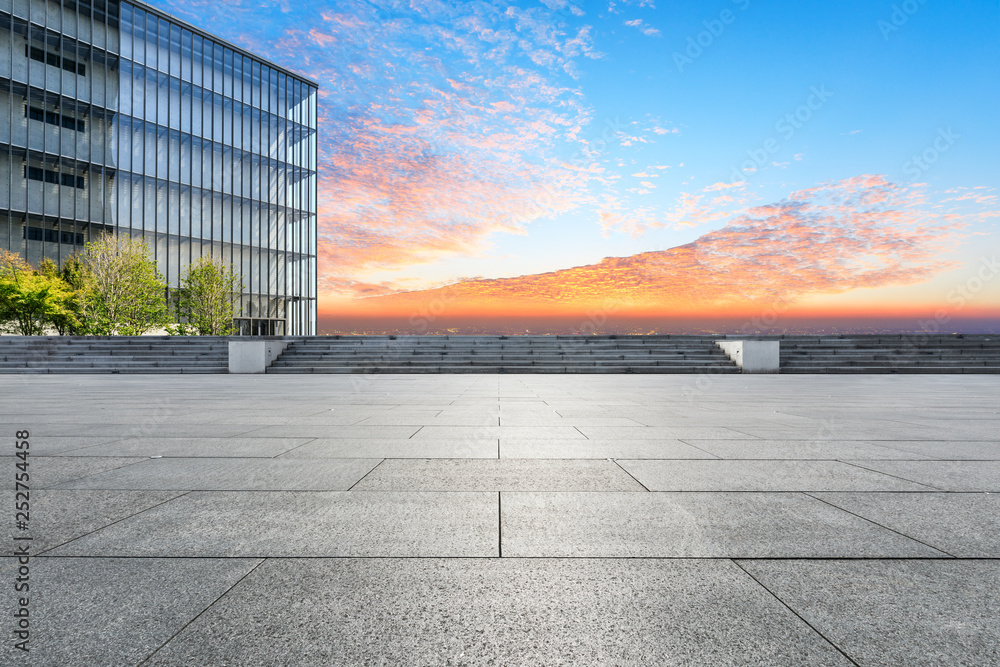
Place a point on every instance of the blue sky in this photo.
(485, 140)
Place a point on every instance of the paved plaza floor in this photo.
(503, 520)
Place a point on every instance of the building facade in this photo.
(118, 118)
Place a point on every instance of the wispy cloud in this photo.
(860, 232)
(713, 203)
(643, 27)
(441, 125)
(616, 6)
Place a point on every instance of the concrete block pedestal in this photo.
(253, 356)
(753, 356)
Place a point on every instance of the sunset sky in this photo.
(645, 164)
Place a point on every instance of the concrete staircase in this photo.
(905, 353)
(966, 353)
(502, 354)
(125, 354)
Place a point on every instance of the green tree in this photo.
(207, 298)
(67, 320)
(120, 291)
(31, 301)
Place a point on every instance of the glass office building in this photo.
(116, 117)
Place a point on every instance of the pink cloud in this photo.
(836, 237)
(436, 134)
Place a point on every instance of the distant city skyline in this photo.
(645, 165)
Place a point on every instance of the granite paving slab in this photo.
(890, 612)
(755, 475)
(692, 525)
(547, 420)
(237, 446)
(944, 475)
(802, 449)
(423, 418)
(304, 523)
(58, 516)
(498, 475)
(516, 448)
(965, 429)
(46, 472)
(726, 420)
(232, 474)
(459, 412)
(966, 525)
(501, 612)
(484, 418)
(42, 445)
(258, 421)
(831, 429)
(660, 432)
(980, 450)
(411, 448)
(146, 423)
(485, 431)
(110, 612)
(299, 430)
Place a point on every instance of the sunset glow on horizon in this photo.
(635, 166)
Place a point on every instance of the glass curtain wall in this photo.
(117, 118)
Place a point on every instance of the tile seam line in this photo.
(852, 462)
(308, 441)
(875, 443)
(188, 489)
(622, 468)
(852, 559)
(795, 613)
(80, 449)
(499, 524)
(750, 436)
(700, 449)
(872, 521)
(144, 457)
(351, 487)
(200, 613)
(94, 474)
(62, 544)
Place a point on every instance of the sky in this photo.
(647, 165)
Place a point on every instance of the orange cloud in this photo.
(858, 233)
(435, 137)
